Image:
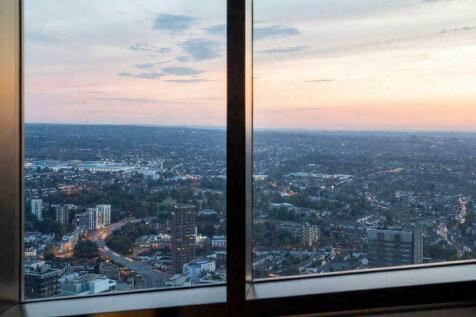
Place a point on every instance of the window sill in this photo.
(122, 302)
(367, 291)
(362, 281)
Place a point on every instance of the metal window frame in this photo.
(244, 297)
(11, 150)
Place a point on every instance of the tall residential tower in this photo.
(183, 229)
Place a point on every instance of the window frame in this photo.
(443, 284)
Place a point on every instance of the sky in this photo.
(318, 64)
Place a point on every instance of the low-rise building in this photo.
(197, 268)
(110, 270)
(41, 281)
(219, 241)
(87, 284)
(178, 280)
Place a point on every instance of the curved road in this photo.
(150, 277)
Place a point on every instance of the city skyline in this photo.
(375, 65)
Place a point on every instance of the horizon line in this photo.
(279, 129)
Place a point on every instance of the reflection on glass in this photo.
(125, 109)
(364, 144)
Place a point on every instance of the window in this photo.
(363, 140)
(122, 69)
(124, 167)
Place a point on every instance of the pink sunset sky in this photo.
(319, 64)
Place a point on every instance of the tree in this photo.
(49, 254)
(86, 249)
(120, 244)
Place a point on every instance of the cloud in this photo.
(181, 71)
(176, 71)
(41, 37)
(281, 50)
(187, 81)
(150, 75)
(146, 48)
(459, 29)
(149, 65)
(182, 59)
(173, 23)
(261, 33)
(219, 29)
(201, 49)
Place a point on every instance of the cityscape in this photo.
(120, 208)
(339, 201)
(116, 208)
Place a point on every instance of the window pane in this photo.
(364, 144)
(125, 109)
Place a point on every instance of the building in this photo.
(105, 214)
(178, 280)
(394, 247)
(196, 268)
(62, 214)
(96, 219)
(86, 220)
(67, 243)
(41, 281)
(37, 208)
(218, 241)
(110, 270)
(30, 252)
(81, 220)
(183, 229)
(87, 284)
(310, 235)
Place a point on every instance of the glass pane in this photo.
(364, 144)
(125, 109)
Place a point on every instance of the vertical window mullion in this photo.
(236, 157)
(10, 154)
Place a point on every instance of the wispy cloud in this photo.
(459, 29)
(261, 33)
(188, 81)
(174, 23)
(149, 65)
(281, 50)
(149, 75)
(181, 71)
(201, 49)
(219, 29)
(146, 48)
(182, 59)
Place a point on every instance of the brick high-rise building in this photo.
(183, 227)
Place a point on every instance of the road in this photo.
(150, 277)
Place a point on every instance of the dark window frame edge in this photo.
(237, 288)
